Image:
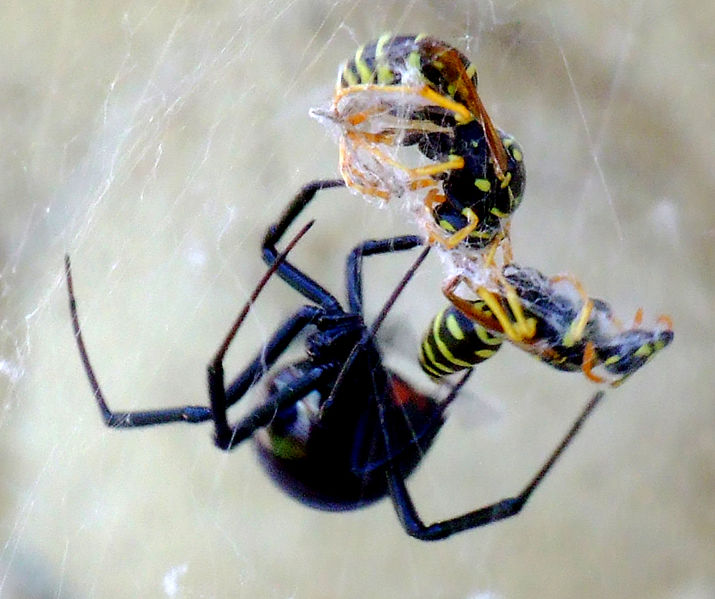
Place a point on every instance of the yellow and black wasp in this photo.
(564, 328)
(415, 90)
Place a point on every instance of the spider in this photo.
(568, 330)
(336, 430)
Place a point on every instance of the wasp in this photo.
(415, 90)
(549, 317)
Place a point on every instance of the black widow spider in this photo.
(337, 430)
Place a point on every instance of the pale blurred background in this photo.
(155, 143)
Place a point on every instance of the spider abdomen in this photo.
(333, 457)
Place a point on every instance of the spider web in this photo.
(155, 143)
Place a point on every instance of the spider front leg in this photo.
(506, 508)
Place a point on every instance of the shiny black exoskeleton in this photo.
(336, 429)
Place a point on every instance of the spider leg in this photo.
(354, 274)
(114, 419)
(301, 282)
(372, 248)
(190, 414)
(506, 508)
